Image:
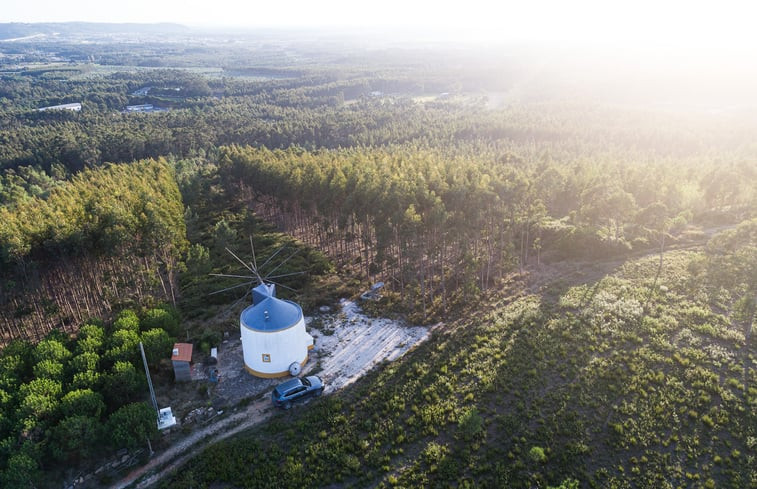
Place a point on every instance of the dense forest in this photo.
(438, 224)
(592, 256)
(95, 241)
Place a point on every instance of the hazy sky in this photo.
(676, 22)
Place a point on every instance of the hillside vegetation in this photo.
(66, 401)
(616, 380)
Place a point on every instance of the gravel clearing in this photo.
(357, 343)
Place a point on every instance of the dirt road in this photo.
(179, 453)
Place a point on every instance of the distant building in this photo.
(139, 108)
(181, 359)
(75, 107)
(143, 108)
(141, 92)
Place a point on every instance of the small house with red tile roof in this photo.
(181, 359)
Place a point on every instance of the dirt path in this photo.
(179, 453)
(348, 345)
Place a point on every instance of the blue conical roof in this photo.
(263, 292)
(269, 313)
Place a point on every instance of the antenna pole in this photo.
(149, 380)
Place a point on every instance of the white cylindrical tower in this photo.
(273, 334)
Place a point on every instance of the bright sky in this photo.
(673, 22)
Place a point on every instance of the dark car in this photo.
(296, 389)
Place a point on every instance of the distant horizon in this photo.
(702, 52)
(644, 22)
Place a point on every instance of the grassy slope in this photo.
(575, 382)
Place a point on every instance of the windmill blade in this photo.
(269, 277)
(282, 285)
(246, 284)
(280, 264)
(254, 260)
(255, 272)
(231, 276)
(254, 269)
(271, 257)
(236, 302)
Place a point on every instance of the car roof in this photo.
(285, 386)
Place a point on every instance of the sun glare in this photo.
(671, 23)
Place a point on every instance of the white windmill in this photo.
(274, 340)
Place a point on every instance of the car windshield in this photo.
(306, 382)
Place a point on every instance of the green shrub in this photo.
(132, 425)
(82, 402)
(49, 369)
(208, 339)
(51, 349)
(84, 361)
(91, 339)
(537, 454)
(157, 345)
(470, 424)
(164, 317)
(127, 320)
(434, 453)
